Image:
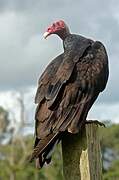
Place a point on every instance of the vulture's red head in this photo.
(59, 28)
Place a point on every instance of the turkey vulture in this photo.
(67, 89)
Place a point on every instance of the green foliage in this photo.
(110, 137)
(113, 172)
(110, 151)
(15, 165)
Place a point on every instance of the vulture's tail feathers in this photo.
(44, 148)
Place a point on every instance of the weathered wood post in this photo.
(82, 154)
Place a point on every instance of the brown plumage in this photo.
(67, 89)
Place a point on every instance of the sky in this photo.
(24, 53)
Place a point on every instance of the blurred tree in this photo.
(4, 121)
(113, 172)
(110, 151)
(15, 166)
(14, 153)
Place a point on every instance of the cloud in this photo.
(24, 53)
(9, 100)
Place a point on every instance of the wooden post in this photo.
(82, 154)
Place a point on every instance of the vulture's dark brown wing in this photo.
(46, 78)
(69, 94)
(56, 75)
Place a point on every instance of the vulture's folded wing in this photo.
(46, 79)
(51, 83)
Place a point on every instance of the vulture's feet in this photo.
(96, 122)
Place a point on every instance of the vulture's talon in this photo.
(95, 122)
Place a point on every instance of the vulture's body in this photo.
(66, 91)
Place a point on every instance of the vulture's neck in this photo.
(63, 34)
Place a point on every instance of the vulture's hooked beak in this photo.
(46, 34)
